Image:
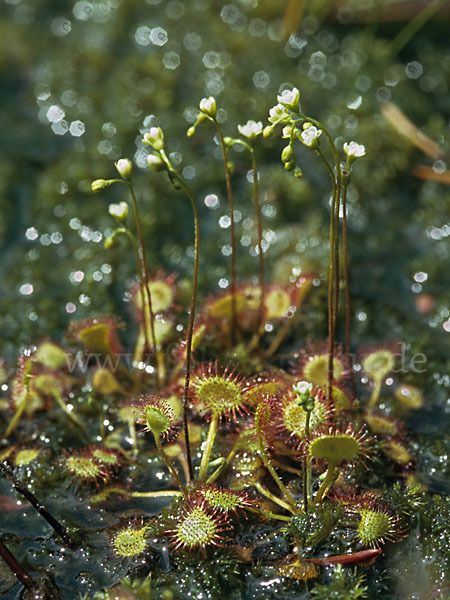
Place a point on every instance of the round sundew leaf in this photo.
(316, 369)
(335, 448)
(252, 296)
(378, 364)
(397, 452)
(26, 456)
(268, 388)
(96, 336)
(163, 330)
(155, 413)
(373, 527)
(48, 385)
(381, 424)
(161, 294)
(219, 395)
(157, 421)
(105, 383)
(220, 308)
(408, 396)
(277, 304)
(129, 542)
(341, 400)
(84, 467)
(294, 417)
(197, 528)
(51, 355)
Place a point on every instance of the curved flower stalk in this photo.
(251, 130)
(263, 425)
(120, 213)
(352, 151)
(208, 111)
(160, 162)
(298, 126)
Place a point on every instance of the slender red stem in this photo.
(145, 275)
(348, 355)
(260, 234)
(190, 331)
(232, 231)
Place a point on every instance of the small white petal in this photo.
(251, 129)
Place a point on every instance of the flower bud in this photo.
(309, 404)
(155, 163)
(124, 166)
(289, 166)
(119, 211)
(208, 106)
(298, 172)
(228, 141)
(99, 184)
(154, 138)
(190, 132)
(287, 154)
(111, 242)
(268, 131)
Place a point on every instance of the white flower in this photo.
(155, 163)
(287, 131)
(208, 106)
(154, 138)
(290, 98)
(124, 167)
(251, 129)
(120, 211)
(309, 136)
(278, 114)
(302, 387)
(354, 150)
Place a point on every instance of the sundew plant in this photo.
(257, 472)
(218, 425)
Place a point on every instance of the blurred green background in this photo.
(81, 79)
